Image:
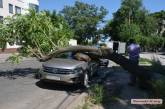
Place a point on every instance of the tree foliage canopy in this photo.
(84, 19)
(132, 20)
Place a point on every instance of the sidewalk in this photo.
(156, 56)
(29, 62)
(4, 57)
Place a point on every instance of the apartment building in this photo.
(12, 7)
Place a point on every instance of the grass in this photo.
(159, 92)
(155, 65)
(144, 61)
(84, 106)
(95, 97)
(96, 94)
(158, 89)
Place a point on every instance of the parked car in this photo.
(68, 68)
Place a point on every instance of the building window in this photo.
(1, 3)
(11, 8)
(34, 6)
(1, 18)
(17, 10)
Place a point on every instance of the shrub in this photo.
(159, 91)
(157, 67)
(158, 85)
(150, 43)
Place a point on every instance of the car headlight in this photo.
(78, 70)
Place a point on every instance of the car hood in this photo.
(64, 63)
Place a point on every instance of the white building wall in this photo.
(23, 4)
(33, 1)
(27, 2)
(5, 10)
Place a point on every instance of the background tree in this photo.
(160, 19)
(132, 20)
(127, 14)
(127, 31)
(84, 19)
(131, 13)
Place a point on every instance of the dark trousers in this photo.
(133, 76)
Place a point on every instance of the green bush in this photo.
(157, 67)
(159, 92)
(150, 43)
(159, 88)
(158, 85)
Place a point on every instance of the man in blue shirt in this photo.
(133, 51)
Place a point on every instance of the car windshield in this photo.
(67, 55)
(75, 55)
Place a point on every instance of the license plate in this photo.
(53, 77)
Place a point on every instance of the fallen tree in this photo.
(144, 76)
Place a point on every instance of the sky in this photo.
(110, 5)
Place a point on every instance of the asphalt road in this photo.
(21, 91)
(29, 93)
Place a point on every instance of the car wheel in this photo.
(86, 80)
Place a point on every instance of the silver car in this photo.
(68, 69)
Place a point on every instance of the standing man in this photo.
(133, 51)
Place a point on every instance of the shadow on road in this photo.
(52, 85)
(13, 74)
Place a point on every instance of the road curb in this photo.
(79, 101)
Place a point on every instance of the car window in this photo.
(66, 55)
(63, 55)
(75, 55)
